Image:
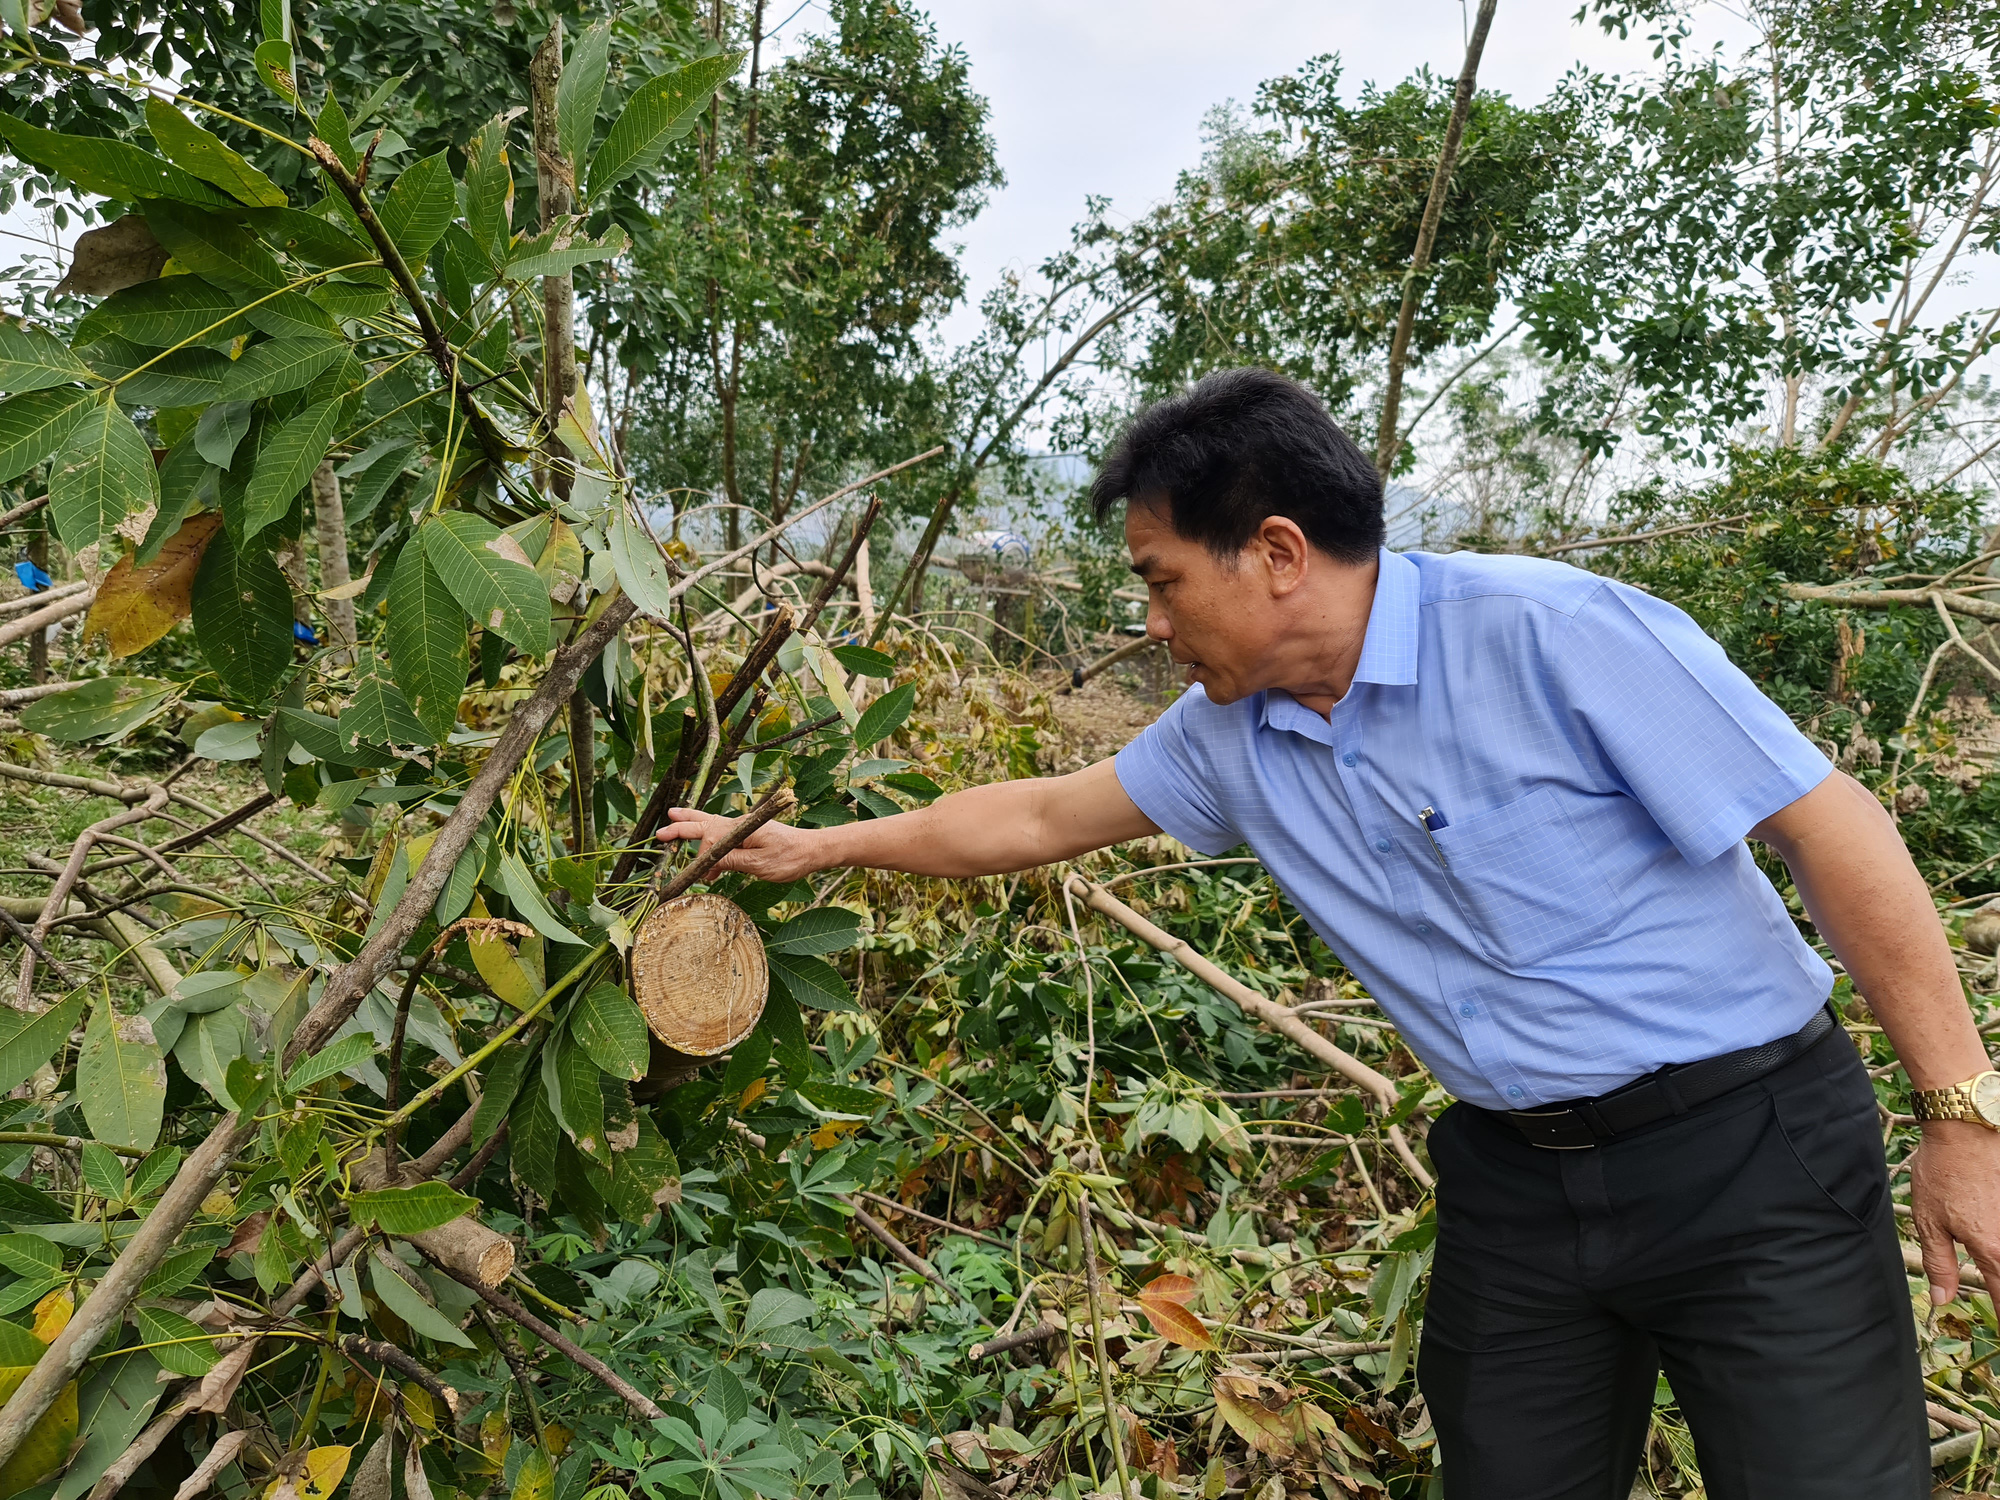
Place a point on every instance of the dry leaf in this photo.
(1162, 1300)
(52, 1314)
(218, 1458)
(1262, 1412)
(123, 253)
(136, 606)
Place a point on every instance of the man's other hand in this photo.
(776, 852)
(1955, 1196)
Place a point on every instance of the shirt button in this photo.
(1514, 1093)
(1349, 759)
(1473, 1010)
(1381, 846)
(1423, 929)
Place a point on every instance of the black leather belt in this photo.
(1673, 1090)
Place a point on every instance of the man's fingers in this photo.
(1940, 1263)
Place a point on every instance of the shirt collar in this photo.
(1388, 649)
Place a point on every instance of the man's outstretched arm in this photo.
(984, 830)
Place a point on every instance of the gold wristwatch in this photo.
(1977, 1099)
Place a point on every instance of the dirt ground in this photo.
(1102, 717)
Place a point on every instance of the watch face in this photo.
(1986, 1097)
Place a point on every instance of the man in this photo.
(1512, 796)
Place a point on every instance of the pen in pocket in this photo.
(1429, 819)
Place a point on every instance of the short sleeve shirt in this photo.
(1522, 827)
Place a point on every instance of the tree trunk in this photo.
(1386, 441)
(330, 522)
(583, 774)
(38, 644)
(555, 186)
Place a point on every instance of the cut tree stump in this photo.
(700, 978)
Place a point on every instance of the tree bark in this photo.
(555, 186)
(1386, 441)
(330, 523)
(38, 647)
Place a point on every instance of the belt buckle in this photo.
(1522, 1116)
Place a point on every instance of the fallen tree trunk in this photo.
(47, 615)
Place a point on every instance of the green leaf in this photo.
(541, 256)
(221, 430)
(404, 1211)
(313, 240)
(429, 653)
(775, 1307)
(103, 474)
(788, 1034)
(612, 1032)
(419, 205)
(578, 93)
(208, 1045)
(286, 462)
(885, 716)
(154, 1173)
(811, 982)
(575, 1096)
(172, 310)
(113, 1406)
(842, 1098)
(489, 574)
(194, 150)
(279, 365)
(243, 617)
(293, 315)
(109, 705)
(640, 569)
(121, 1080)
(824, 929)
(527, 898)
(332, 127)
(26, 1042)
(379, 713)
(407, 1303)
(500, 1084)
(106, 167)
(536, 1479)
(31, 360)
(30, 1255)
(645, 1176)
(865, 660)
(661, 110)
(186, 377)
(336, 1057)
(35, 425)
(211, 247)
(531, 1138)
(274, 65)
(180, 1269)
(321, 738)
(178, 1342)
(489, 180)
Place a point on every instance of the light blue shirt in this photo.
(1589, 911)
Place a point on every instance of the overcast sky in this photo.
(1107, 96)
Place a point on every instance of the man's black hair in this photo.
(1239, 446)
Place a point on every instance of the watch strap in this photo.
(1954, 1103)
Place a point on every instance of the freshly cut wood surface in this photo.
(699, 974)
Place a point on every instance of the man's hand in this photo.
(776, 852)
(984, 830)
(1955, 1195)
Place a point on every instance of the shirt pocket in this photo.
(1529, 885)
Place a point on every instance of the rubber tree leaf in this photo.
(223, 252)
(379, 714)
(273, 59)
(121, 1079)
(110, 705)
(336, 1057)
(489, 185)
(500, 1085)
(645, 1177)
(531, 1138)
(320, 738)
(581, 88)
(490, 576)
(811, 982)
(575, 1096)
(660, 111)
(405, 1211)
(31, 360)
(242, 610)
(103, 474)
(292, 315)
(136, 605)
(112, 257)
(34, 426)
(407, 1303)
(107, 167)
(521, 889)
(286, 462)
(175, 310)
(48, 1442)
(26, 1042)
(885, 716)
(194, 150)
(419, 204)
(186, 377)
(823, 929)
(541, 256)
(221, 430)
(429, 653)
(612, 1032)
(642, 572)
(279, 365)
(208, 1045)
(178, 1342)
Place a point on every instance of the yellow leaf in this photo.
(494, 1438)
(556, 1438)
(758, 1088)
(325, 1468)
(136, 606)
(48, 1442)
(52, 1314)
(494, 958)
(830, 1133)
(418, 1404)
(1262, 1411)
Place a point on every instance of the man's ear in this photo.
(1286, 553)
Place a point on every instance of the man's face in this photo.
(1217, 617)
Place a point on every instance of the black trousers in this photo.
(1747, 1247)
